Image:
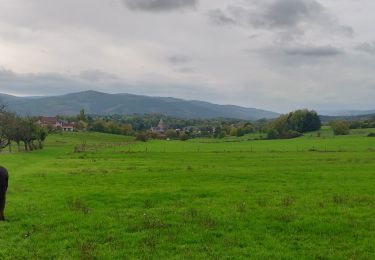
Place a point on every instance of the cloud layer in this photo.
(271, 54)
(321, 51)
(277, 13)
(159, 5)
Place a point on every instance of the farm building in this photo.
(67, 127)
(54, 123)
(50, 122)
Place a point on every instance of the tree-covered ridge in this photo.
(109, 104)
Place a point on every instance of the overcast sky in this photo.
(271, 54)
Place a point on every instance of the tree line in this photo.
(362, 123)
(20, 130)
(343, 126)
(294, 124)
(290, 125)
(176, 128)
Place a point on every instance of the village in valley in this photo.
(160, 131)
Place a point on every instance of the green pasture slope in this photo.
(307, 198)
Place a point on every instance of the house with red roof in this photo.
(54, 123)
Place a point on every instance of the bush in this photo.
(241, 132)
(371, 135)
(290, 135)
(340, 127)
(233, 131)
(222, 134)
(82, 125)
(184, 137)
(141, 137)
(153, 135)
(171, 134)
(272, 134)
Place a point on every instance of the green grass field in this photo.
(306, 198)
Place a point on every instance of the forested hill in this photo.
(105, 104)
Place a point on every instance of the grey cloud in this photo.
(293, 16)
(254, 36)
(96, 75)
(5, 73)
(178, 59)
(289, 13)
(366, 47)
(35, 85)
(274, 14)
(180, 62)
(159, 5)
(186, 70)
(42, 84)
(311, 51)
(346, 30)
(218, 17)
(52, 83)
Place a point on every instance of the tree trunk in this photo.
(30, 146)
(40, 144)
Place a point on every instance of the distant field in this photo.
(307, 198)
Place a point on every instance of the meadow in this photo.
(98, 196)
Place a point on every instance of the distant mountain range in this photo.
(99, 103)
(349, 113)
(326, 119)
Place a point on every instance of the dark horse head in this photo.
(3, 190)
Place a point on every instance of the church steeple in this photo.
(161, 125)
